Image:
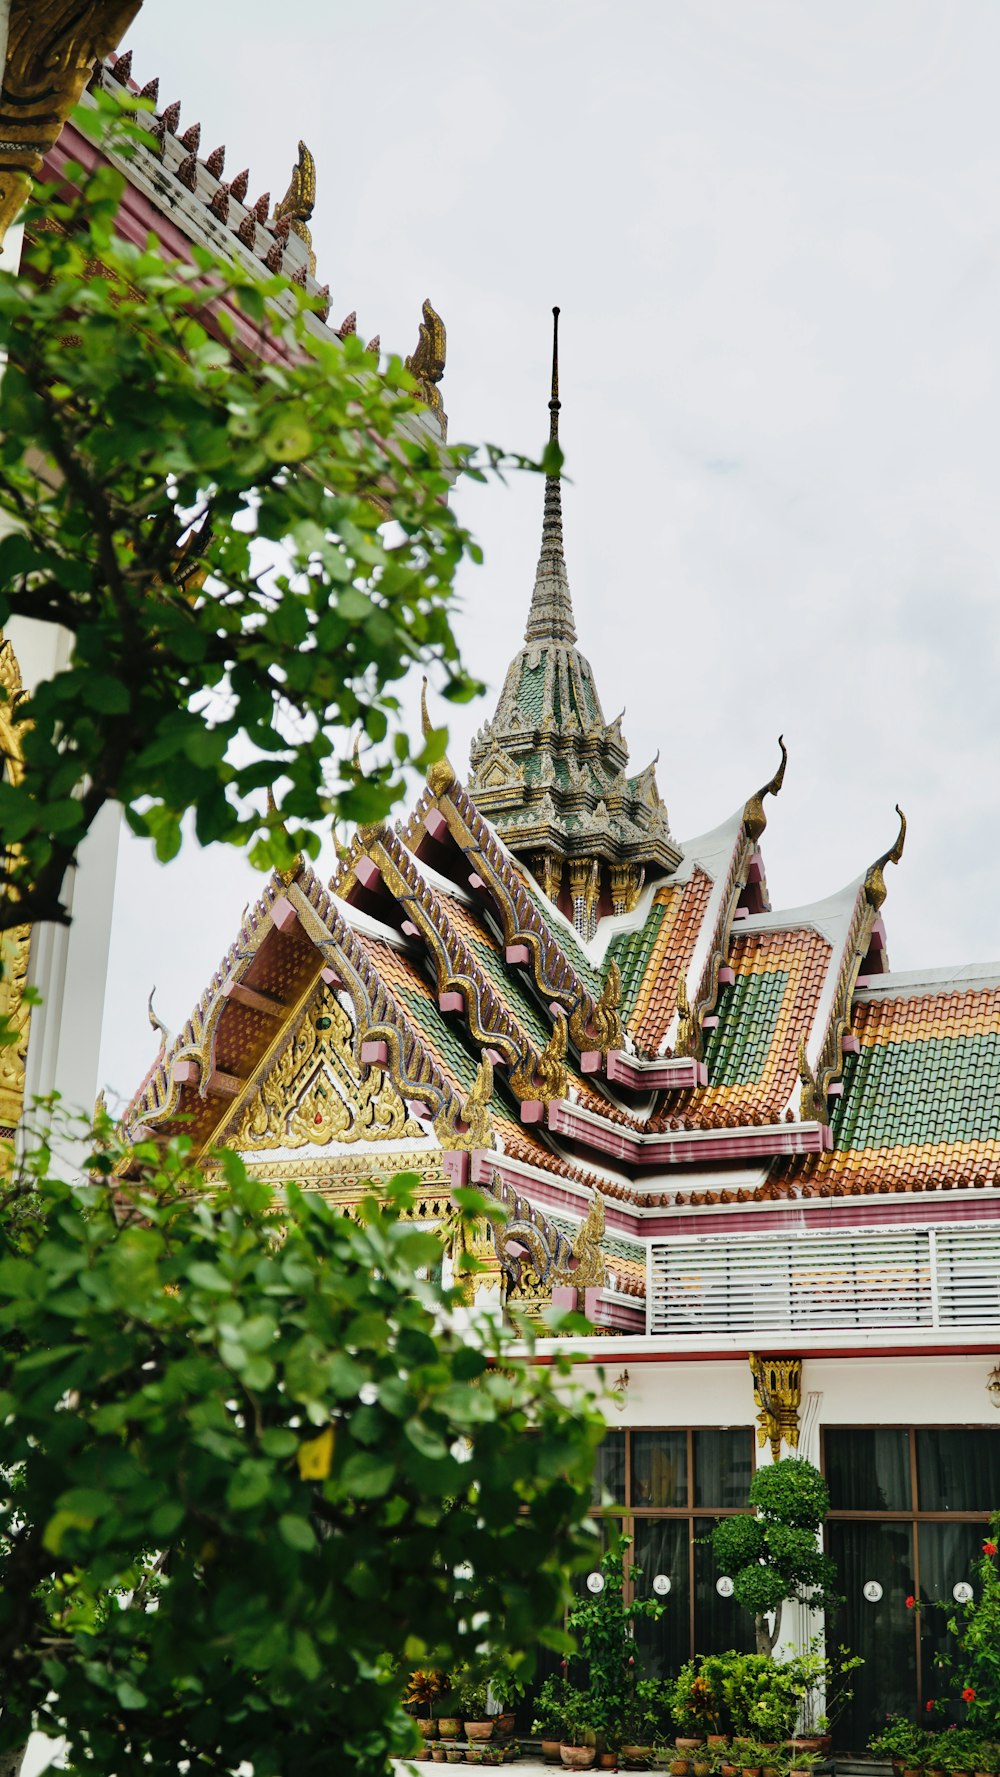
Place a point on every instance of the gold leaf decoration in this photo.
(315, 1094)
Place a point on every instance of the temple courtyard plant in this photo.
(247, 1407)
(772, 1554)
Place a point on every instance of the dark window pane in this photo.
(882, 1633)
(958, 1471)
(946, 1552)
(609, 1471)
(868, 1471)
(662, 1546)
(609, 1532)
(723, 1467)
(659, 1468)
(719, 1623)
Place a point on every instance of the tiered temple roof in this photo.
(699, 1059)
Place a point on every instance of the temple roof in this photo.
(721, 1054)
(548, 768)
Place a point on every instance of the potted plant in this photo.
(548, 1718)
(424, 1690)
(578, 1746)
(800, 1763)
(474, 1700)
(694, 1705)
(753, 1757)
(901, 1742)
(643, 1721)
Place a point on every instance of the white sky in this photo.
(773, 231)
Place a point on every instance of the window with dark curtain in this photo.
(959, 1471)
(868, 1471)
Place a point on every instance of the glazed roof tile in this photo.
(920, 1109)
(752, 1055)
(653, 959)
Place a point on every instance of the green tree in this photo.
(249, 1413)
(211, 525)
(773, 1554)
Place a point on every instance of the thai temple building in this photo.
(728, 1132)
(765, 1165)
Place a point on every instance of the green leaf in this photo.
(298, 1533)
(367, 1475)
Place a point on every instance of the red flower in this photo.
(968, 1695)
(989, 1548)
(910, 1602)
(930, 1704)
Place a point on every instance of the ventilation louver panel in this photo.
(791, 1283)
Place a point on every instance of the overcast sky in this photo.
(774, 230)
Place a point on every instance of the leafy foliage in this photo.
(775, 1554)
(974, 1668)
(605, 1668)
(251, 1411)
(196, 477)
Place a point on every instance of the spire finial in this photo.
(550, 618)
(554, 402)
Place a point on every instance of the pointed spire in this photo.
(550, 618)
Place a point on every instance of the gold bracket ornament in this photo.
(52, 46)
(777, 1393)
(544, 1078)
(684, 1040)
(606, 1022)
(812, 1107)
(474, 1113)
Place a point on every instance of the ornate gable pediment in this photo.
(314, 1094)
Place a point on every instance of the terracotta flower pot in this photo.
(455, 1755)
(429, 1729)
(608, 1761)
(503, 1727)
(478, 1730)
(702, 1767)
(449, 1727)
(751, 1770)
(729, 1770)
(688, 1742)
(718, 1739)
(637, 1758)
(577, 1758)
(550, 1751)
(680, 1767)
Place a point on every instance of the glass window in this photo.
(882, 1632)
(662, 1545)
(723, 1469)
(868, 1471)
(946, 1555)
(659, 1468)
(958, 1471)
(720, 1623)
(609, 1471)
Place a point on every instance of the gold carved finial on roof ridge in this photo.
(754, 817)
(875, 888)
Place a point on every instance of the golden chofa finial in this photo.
(441, 773)
(299, 201)
(754, 818)
(875, 881)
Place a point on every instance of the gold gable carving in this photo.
(314, 1094)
